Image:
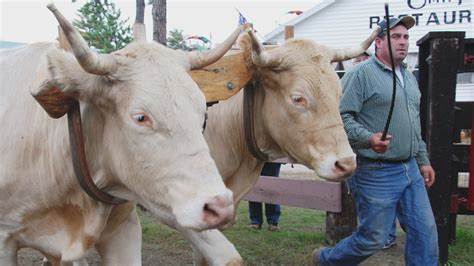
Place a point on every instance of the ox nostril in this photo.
(345, 166)
(209, 213)
(218, 211)
(339, 167)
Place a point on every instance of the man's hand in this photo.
(429, 174)
(379, 145)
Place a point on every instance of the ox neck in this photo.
(258, 139)
(79, 159)
(225, 134)
(249, 120)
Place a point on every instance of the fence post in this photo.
(439, 59)
(342, 224)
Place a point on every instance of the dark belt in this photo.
(370, 160)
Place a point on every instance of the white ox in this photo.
(142, 121)
(296, 116)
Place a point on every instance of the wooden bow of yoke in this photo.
(218, 81)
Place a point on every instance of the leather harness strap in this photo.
(79, 158)
(249, 121)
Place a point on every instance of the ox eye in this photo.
(142, 120)
(299, 100)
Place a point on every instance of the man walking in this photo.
(391, 174)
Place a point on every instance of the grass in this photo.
(462, 252)
(302, 231)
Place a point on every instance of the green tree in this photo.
(175, 40)
(101, 26)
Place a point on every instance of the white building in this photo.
(345, 23)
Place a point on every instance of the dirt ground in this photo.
(151, 255)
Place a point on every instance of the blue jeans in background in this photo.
(272, 211)
(378, 188)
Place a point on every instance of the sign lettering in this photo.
(414, 4)
(460, 16)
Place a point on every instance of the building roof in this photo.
(323, 4)
(8, 45)
(344, 23)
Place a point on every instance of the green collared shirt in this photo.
(365, 104)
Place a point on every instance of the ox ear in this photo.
(67, 82)
(53, 100)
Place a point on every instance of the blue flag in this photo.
(242, 19)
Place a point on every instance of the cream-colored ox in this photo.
(142, 117)
(296, 116)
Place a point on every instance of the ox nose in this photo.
(345, 166)
(219, 211)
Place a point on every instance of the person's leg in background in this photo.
(272, 211)
(255, 214)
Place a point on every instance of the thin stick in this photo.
(394, 77)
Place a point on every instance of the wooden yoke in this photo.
(222, 79)
(226, 77)
(218, 81)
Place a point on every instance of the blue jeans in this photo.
(272, 211)
(392, 237)
(378, 189)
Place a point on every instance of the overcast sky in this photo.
(30, 21)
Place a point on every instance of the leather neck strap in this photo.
(249, 121)
(79, 158)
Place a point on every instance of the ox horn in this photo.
(89, 61)
(260, 57)
(139, 32)
(348, 53)
(201, 59)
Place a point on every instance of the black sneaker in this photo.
(315, 256)
(390, 243)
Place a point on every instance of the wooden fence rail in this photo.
(332, 197)
(310, 194)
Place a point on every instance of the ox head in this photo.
(300, 94)
(143, 117)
